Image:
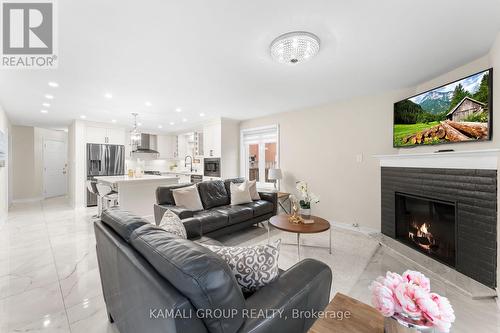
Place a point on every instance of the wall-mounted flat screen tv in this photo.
(460, 111)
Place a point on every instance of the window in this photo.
(259, 153)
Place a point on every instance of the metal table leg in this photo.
(268, 233)
(298, 245)
(330, 230)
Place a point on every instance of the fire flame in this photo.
(422, 233)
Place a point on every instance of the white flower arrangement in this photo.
(307, 198)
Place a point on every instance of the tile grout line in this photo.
(57, 271)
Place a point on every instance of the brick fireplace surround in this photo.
(469, 179)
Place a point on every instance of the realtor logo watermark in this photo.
(28, 34)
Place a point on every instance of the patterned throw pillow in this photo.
(171, 223)
(253, 266)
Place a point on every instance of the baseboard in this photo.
(27, 200)
(361, 229)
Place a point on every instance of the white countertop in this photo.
(125, 178)
(187, 173)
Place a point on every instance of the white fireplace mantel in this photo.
(468, 159)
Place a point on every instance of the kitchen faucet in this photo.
(190, 162)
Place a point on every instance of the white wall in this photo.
(23, 164)
(4, 172)
(320, 145)
(230, 144)
(77, 163)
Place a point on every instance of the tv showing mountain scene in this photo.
(460, 111)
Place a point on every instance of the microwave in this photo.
(211, 167)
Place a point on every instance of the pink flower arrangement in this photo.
(409, 296)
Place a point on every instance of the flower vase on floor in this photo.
(409, 305)
(396, 324)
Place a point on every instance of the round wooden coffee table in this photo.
(320, 225)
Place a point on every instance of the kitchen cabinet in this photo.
(167, 146)
(116, 136)
(212, 140)
(103, 135)
(190, 144)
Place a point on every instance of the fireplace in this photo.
(428, 225)
(450, 215)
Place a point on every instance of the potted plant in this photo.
(307, 198)
(408, 304)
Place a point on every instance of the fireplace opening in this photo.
(428, 225)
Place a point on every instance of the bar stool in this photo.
(92, 187)
(107, 196)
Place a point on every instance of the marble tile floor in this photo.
(49, 280)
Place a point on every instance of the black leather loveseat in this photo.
(218, 216)
(156, 282)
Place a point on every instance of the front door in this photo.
(55, 168)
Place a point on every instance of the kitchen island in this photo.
(137, 194)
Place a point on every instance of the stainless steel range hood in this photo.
(148, 145)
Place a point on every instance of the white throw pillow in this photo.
(240, 193)
(171, 223)
(252, 186)
(188, 197)
(253, 266)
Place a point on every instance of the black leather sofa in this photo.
(155, 282)
(218, 217)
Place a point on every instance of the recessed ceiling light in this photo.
(171, 123)
(148, 104)
(108, 95)
(47, 105)
(178, 110)
(139, 124)
(160, 126)
(49, 96)
(53, 84)
(83, 116)
(294, 47)
(113, 120)
(44, 111)
(202, 114)
(184, 120)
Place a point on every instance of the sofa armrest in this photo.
(193, 227)
(304, 287)
(272, 197)
(159, 210)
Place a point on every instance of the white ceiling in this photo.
(213, 56)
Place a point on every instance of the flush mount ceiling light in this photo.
(294, 47)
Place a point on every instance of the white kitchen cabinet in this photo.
(103, 135)
(96, 134)
(212, 140)
(116, 136)
(167, 146)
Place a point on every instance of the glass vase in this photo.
(401, 324)
(305, 212)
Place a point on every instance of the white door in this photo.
(54, 168)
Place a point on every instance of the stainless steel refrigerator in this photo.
(103, 160)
